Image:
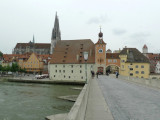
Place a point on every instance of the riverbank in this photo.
(40, 81)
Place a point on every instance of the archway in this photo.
(112, 69)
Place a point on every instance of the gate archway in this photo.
(112, 69)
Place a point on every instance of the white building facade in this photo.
(71, 72)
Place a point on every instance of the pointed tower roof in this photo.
(56, 30)
(100, 40)
(145, 46)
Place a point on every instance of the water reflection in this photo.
(23, 101)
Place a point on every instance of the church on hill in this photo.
(40, 48)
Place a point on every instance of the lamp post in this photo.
(85, 54)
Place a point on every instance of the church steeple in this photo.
(56, 34)
(56, 30)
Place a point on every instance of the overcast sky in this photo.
(130, 23)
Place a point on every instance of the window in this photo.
(69, 77)
(142, 66)
(137, 72)
(109, 60)
(55, 65)
(72, 71)
(63, 65)
(80, 66)
(131, 74)
(81, 77)
(122, 60)
(63, 71)
(141, 76)
(80, 71)
(64, 76)
(60, 71)
(115, 61)
(136, 66)
(142, 72)
(54, 75)
(131, 68)
(72, 66)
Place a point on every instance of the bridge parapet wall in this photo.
(78, 110)
(148, 82)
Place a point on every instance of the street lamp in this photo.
(85, 54)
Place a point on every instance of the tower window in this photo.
(100, 50)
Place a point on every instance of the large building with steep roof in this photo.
(133, 63)
(68, 64)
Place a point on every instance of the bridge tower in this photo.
(100, 54)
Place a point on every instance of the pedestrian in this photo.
(97, 74)
(117, 74)
(92, 72)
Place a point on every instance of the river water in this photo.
(24, 101)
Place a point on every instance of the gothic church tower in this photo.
(56, 34)
(100, 54)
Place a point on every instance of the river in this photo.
(24, 101)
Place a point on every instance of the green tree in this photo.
(1, 67)
(14, 67)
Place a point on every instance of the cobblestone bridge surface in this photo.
(130, 101)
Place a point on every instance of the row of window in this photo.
(137, 72)
(64, 71)
(31, 66)
(70, 65)
(68, 76)
(142, 66)
(110, 60)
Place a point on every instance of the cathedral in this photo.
(40, 48)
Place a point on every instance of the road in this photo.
(129, 101)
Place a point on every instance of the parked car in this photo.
(42, 76)
(38, 77)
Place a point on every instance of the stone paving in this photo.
(129, 101)
(97, 109)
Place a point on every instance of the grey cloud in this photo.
(140, 35)
(98, 20)
(119, 31)
(138, 39)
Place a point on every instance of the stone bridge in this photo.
(109, 98)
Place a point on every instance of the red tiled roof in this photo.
(99, 41)
(153, 56)
(67, 52)
(112, 55)
(37, 45)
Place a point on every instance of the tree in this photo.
(14, 67)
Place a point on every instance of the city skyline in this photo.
(124, 23)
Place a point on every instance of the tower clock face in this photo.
(100, 51)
